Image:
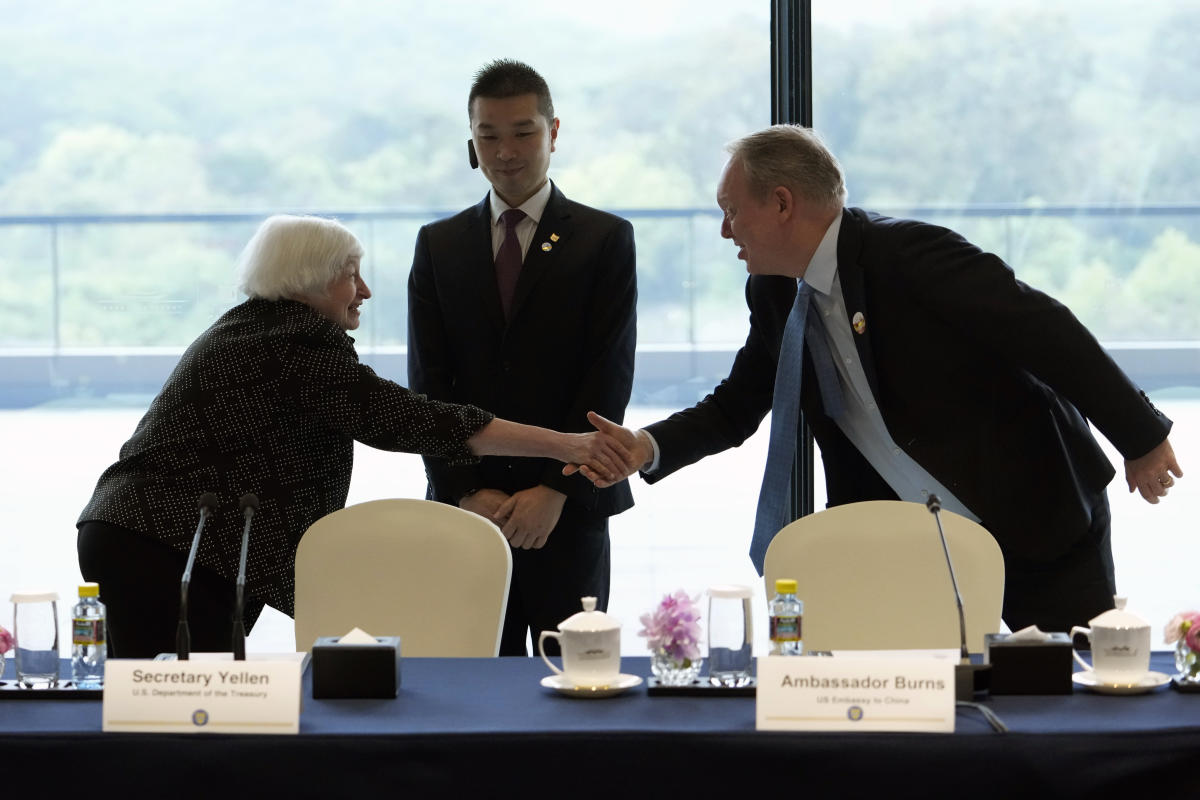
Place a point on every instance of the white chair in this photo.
(433, 574)
(872, 575)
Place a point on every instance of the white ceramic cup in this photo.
(1119, 655)
(590, 658)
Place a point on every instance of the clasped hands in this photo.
(526, 518)
(605, 457)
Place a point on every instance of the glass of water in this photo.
(730, 635)
(35, 629)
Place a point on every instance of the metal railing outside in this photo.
(660, 362)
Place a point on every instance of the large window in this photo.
(142, 142)
(1057, 136)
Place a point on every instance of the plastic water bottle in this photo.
(88, 640)
(787, 617)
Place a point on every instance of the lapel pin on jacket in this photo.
(554, 237)
(859, 322)
(546, 247)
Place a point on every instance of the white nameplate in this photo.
(202, 696)
(799, 693)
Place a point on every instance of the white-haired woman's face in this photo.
(342, 297)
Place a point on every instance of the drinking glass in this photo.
(730, 634)
(35, 629)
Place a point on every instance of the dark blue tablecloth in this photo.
(486, 725)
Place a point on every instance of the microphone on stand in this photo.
(183, 637)
(968, 677)
(248, 505)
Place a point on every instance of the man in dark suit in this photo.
(526, 303)
(943, 374)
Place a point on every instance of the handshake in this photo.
(611, 454)
(527, 517)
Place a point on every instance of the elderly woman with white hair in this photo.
(268, 400)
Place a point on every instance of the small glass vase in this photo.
(671, 671)
(1187, 664)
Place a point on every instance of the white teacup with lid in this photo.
(1120, 646)
(591, 647)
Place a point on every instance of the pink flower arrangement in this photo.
(674, 627)
(6, 641)
(1184, 625)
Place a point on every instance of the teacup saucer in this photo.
(1150, 682)
(561, 685)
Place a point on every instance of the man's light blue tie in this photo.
(785, 417)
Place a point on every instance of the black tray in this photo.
(699, 688)
(1184, 686)
(63, 690)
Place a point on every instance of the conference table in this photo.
(488, 726)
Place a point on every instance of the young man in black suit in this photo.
(942, 374)
(531, 314)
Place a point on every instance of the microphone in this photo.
(247, 505)
(472, 158)
(183, 637)
(968, 677)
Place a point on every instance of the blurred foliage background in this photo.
(253, 106)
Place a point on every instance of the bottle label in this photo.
(88, 630)
(785, 629)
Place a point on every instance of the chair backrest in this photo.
(872, 575)
(433, 574)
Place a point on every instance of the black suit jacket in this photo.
(568, 348)
(984, 381)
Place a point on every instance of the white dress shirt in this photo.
(534, 207)
(861, 422)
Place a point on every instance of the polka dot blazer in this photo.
(268, 400)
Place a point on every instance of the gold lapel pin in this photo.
(554, 237)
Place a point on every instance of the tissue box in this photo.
(355, 670)
(1025, 667)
